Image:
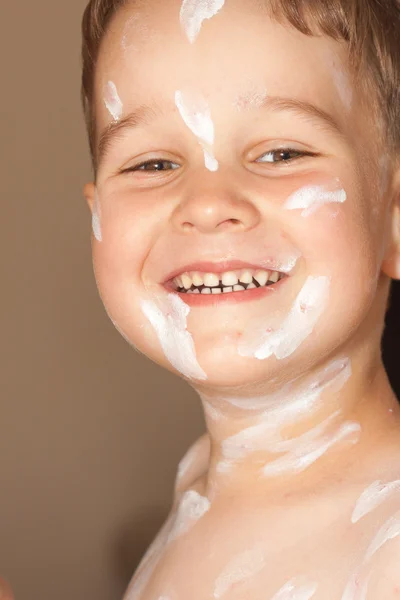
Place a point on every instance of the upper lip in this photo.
(222, 267)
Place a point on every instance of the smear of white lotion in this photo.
(96, 218)
(296, 590)
(194, 12)
(372, 497)
(312, 197)
(112, 101)
(191, 508)
(169, 320)
(298, 325)
(357, 586)
(243, 567)
(196, 114)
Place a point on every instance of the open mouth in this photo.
(229, 282)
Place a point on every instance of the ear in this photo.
(391, 262)
(89, 193)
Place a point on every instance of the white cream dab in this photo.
(96, 217)
(194, 12)
(196, 114)
(112, 101)
(169, 322)
(356, 588)
(192, 507)
(297, 326)
(296, 589)
(312, 197)
(243, 567)
(374, 496)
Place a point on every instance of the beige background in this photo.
(91, 432)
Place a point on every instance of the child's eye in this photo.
(283, 155)
(155, 165)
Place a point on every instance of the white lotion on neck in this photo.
(169, 321)
(375, 495)
(243, 567)
(312, 197)
(112, 101)
(196, 114)
(296, 589)
(96, 217)
(191, 508)
(296, 327)
(194, 12)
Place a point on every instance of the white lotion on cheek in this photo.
(241, 568)
(96, 217)
(195, 112)
(191, 508)
(297, 326)
(296, 590)
(310, 198)
(169, 322)
(112, 101)
(372, 497)
(194, 12)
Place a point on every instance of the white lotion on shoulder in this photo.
(96, 217)
(296, 589)
(192, 507)
(195, 112)
(312, 197)
(194, 12)
(375, 495)
(242, 568)
(169, 320)
(309, 305)
(112, 101)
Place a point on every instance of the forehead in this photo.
(238, 52)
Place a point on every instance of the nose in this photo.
(213, 208)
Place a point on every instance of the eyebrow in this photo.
(146, 113)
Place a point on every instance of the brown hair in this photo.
(369, 27)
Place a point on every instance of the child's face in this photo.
(227, 197)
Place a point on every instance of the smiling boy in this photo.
(246, 220)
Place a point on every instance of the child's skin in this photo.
(256, 525)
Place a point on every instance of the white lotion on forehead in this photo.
(112, 101)
(373, 496)
(194, 12)
(243, 567)
(96, 217)
(310, 198)
(196, 114)
(169, 322)
(191, 508)
(296, 327)
(296, 589)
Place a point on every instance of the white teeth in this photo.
(238, 288)
(205, 291)
(274, 276)
(197, 279)
(186, 281)
(216, 291)
(251, 286)
(229, 278)
(228, 289)
(211, 280)
(261, 277)
(246, 277)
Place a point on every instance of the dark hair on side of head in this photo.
(370, 28)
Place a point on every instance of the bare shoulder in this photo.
(193, 465)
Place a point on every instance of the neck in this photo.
(305, 434)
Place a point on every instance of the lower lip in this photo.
(229, 297)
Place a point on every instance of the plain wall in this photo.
(91, 431)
